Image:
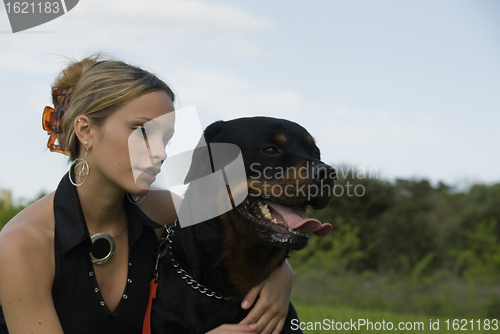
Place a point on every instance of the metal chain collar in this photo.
(184, 275)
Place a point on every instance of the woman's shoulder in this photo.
(32, 229)
(27, 252)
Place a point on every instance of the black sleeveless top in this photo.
(76, 295)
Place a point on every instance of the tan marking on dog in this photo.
(237, 190)
(280, 138)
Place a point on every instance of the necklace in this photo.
(103, 246)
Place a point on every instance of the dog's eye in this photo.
(271, 150)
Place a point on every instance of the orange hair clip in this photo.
(52, 121)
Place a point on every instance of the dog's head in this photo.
(285, 175)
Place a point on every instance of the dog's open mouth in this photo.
(281, 219)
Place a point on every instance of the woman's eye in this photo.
(271, 150)
(138, 129)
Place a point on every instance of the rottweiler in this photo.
(207, 268)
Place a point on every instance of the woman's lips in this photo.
(149, 173)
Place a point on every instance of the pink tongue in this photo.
(297, 219)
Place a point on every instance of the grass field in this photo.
(419, 324)
(443, 296)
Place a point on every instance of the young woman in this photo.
(53, 277)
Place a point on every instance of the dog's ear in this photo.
(201, 164)
(212, 130)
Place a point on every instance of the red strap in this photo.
(146, 328)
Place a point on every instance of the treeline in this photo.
(8, 210)
(407, 227)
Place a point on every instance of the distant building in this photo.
(5, 197)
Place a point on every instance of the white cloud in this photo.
(244, 49)
(179, 14)
(124, 26)
(426, 116)
(341, 111)
(383, 115)
(226, 97)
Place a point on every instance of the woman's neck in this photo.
(102, 206)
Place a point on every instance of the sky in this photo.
(411, 88)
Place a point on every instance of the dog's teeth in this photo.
(264, 209)
(290, 230)
(268, 215)
(275, 221)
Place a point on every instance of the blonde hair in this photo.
(99, 88)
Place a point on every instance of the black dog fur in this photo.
(234, 252)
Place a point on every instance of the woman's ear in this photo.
(83, 130)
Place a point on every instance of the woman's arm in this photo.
(159, 207)
(233, 329)
(26, 278)
(271, 309)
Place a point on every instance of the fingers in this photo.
(268, 316)
(255, 315)
(270, 310)
(279, 326)
(273, 320)
(270, 325)
(231, 329)
(250, 297)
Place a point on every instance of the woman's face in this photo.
(129, 148)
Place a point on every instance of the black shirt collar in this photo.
(71, 229)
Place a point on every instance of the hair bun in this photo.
(70, 76)
(98, 91)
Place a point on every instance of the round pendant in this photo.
(102, 249)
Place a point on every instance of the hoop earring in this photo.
(133, 200)
(83, 172)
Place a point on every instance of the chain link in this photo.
(184, 275)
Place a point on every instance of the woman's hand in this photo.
(271, 309)
(234, 329)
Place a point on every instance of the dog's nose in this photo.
(324, 172)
